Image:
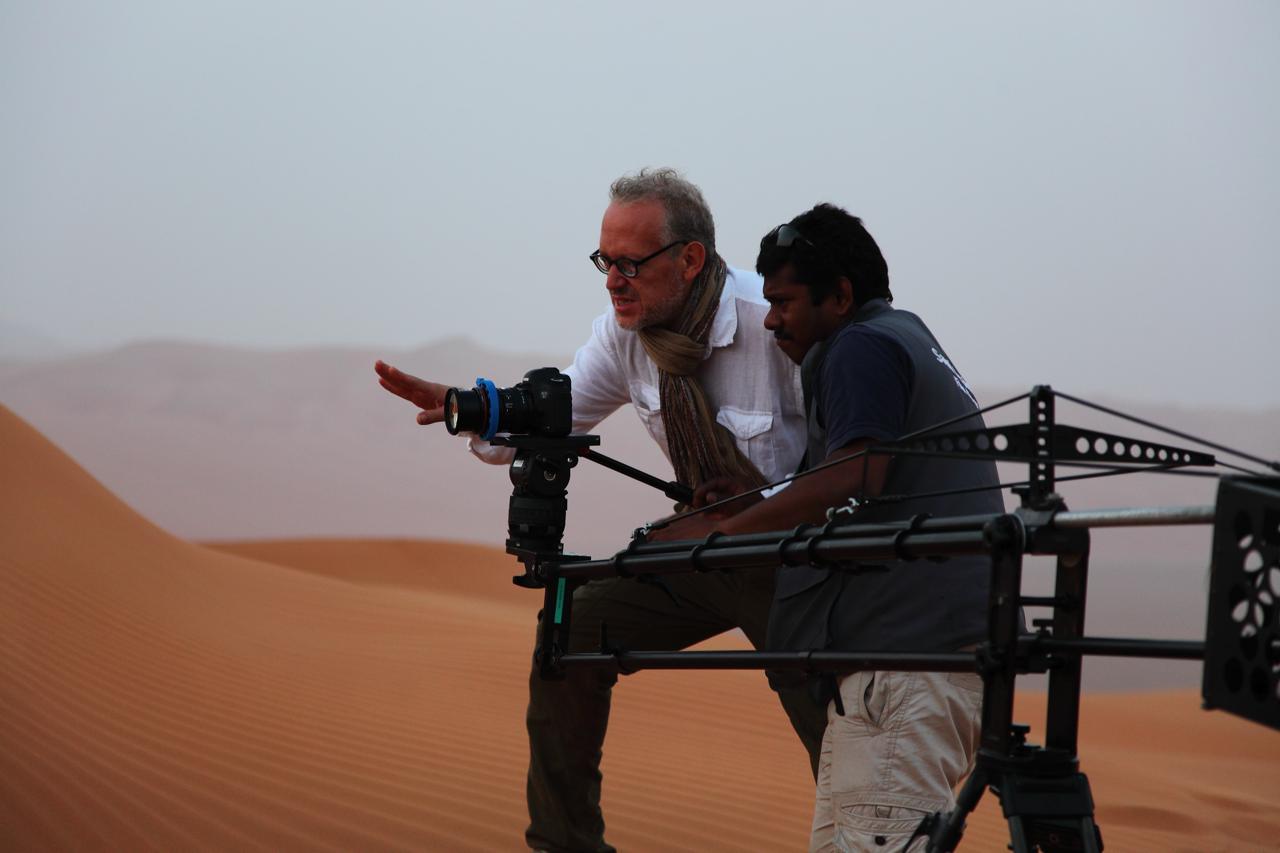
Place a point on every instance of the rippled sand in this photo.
(365, 695)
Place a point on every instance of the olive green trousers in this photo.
(567, 719)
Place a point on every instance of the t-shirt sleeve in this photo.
(865, 388)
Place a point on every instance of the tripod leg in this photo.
(1018, 835)
(553, 641)
(1090, 837)
(948, 828)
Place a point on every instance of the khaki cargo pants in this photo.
(905, 741)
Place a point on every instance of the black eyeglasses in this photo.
(626, 266)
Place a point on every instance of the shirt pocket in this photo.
(751, 432)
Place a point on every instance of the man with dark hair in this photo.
(897, 743)
(685, 344)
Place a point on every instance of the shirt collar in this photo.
(725, 324)
(869, 309)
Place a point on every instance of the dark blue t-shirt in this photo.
(865, 387)
(881, 377)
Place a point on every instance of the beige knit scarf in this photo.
(700, 447)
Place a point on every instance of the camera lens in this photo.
(464, 411)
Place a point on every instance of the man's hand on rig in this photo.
(720, 488)
(704, 523)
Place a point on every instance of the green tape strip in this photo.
(559, 600)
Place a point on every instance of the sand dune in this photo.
(222, 443)
(367, 695)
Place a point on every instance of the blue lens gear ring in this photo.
(491, 390)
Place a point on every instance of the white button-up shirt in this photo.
(749, 383)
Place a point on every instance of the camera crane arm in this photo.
(1043, 793)
(676, 491)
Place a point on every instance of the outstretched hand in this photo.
(428, 396)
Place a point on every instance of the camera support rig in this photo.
(536, 518)
(1042, 444)
(539, 499)
(1046, 800)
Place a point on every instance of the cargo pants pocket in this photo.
(873, 821)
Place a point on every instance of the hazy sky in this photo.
(1086, 194)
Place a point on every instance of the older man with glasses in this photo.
(684, 343)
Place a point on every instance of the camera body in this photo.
(540, 404)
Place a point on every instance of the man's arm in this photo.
(599, 388)
(805, 501)
(865, 389)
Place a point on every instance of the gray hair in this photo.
(688, 217)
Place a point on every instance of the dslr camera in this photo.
(540, 404)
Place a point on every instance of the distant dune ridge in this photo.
(220, 443)
(368, 695)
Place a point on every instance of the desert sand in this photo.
(363, 695)
(222, 443)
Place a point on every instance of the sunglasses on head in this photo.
(786, 236)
